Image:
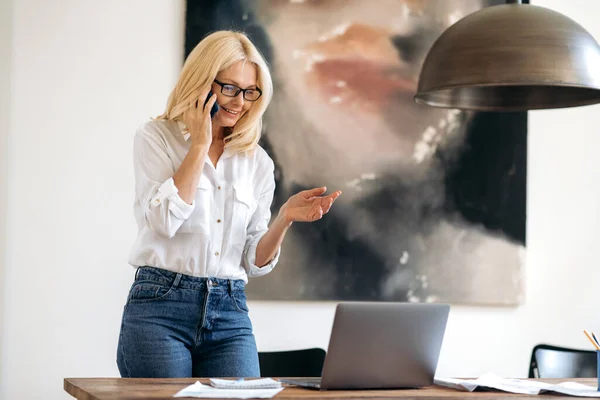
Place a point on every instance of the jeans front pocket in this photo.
(147, 291)
(239, 300)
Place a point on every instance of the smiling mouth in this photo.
(232, 112)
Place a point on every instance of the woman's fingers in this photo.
(197, 118)
(202, 100)
(312, 204)
(197, 106)
(314, 192)
(316, 213)
(327, 201)
(335, 194)
(311, 193)
(209, 106)
(327, 206)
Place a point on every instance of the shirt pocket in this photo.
(199, 221)
(244, 205)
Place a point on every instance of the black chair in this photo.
(298, 363)
(549, 361)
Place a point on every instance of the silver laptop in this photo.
(382, 346)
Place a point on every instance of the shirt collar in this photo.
(186, 136)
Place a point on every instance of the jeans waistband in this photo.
(170, 278)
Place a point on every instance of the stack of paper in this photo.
(239, 389)
(491, 381)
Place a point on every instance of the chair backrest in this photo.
(549, 361)
(292, 363)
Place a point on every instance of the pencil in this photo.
(591, 339)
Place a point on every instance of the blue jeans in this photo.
(177, 326)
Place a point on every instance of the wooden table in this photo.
(129, 389)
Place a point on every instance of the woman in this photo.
(203, 194)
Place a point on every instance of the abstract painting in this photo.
(433, 205)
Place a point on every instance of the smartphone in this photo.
(215, 106)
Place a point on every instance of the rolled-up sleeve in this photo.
(156, 194)
(259, 224)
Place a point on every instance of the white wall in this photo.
(5, 97)
(85, 74)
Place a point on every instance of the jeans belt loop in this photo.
(177, 280)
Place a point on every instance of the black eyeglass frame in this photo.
(239, 89)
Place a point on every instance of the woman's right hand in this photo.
(198, 121)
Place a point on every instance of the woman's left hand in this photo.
(308, 205)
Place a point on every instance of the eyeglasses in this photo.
(232, 91)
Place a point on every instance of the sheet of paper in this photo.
(521, 386)
(205, 391)
(573, 389)
(511, 385)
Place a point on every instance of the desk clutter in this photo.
(263, 388)
(521, 386)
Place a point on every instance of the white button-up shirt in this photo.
(215, 236)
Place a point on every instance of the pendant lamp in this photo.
(511, 57)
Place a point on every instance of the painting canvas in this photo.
(433, 204)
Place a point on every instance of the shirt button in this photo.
(219, 187)
(218, 221)
(217, 253)
(157, 201)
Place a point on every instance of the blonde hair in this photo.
(216, 52)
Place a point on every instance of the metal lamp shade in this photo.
(511, 57)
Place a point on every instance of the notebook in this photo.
(264, 383)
